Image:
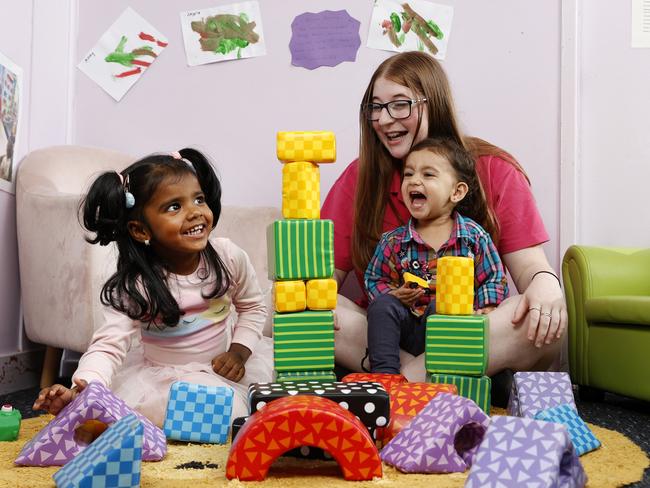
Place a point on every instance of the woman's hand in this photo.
(543, 310)
(53, 398)
(407, 295)
(541, 307)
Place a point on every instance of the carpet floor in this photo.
(626, 416)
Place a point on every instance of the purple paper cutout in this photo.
(525, 452)
(443, 438)
(55, 444)
(325, 38)
(535, 391)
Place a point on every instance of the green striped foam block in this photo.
(457, 344)
(300, 249)
(305, 376)
(476, 388)
(303, 341)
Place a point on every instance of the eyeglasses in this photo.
(397, 109)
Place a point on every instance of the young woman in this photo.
(407, 100)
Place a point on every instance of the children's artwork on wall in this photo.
(223, 33)
(123, 53)
(410, 26)
(11, 76)
(324, 39)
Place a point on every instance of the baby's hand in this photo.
(407, 295)
(53, 398)
(230, 365)
(485, 310)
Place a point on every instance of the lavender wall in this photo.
(16, 44)
(614, 131)
(503, 60)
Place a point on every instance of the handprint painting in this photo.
(223, 33)
(123, 53)
(410, 26)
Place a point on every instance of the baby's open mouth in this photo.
(417, 198)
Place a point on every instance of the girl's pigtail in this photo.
(207, 179)
(103, 209)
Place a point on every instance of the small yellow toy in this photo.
(415, 281)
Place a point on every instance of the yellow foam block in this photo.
(289, 296)
(321, 294)
(316, 146)
(301, 190)
(455, 285)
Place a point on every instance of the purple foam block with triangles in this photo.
(56, 443)
(539, 390)
(442, 438)
(519, 452)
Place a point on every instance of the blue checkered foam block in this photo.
(198, 413)
(114, 459)
(582, 437)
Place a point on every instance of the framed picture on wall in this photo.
(11, 76)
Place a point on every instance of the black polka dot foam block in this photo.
(368, 401)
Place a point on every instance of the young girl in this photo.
(441, 191)
(193, 302)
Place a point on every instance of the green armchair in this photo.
(608, 303)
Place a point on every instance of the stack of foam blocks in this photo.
(456, 349)
(301, 262)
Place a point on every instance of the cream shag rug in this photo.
(619, 461)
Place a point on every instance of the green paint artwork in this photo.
(408, 20)
(225, 33)
(128, 58)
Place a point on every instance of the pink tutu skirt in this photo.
(144, 385)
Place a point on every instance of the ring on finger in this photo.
(546, 314)
(534, 308)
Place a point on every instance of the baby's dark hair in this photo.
(474, 205)
(139, 286)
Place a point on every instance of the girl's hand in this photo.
(53, 398)
(230, 365)
(542, 309)
(407, 295)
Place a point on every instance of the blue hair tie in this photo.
(128, 196)
(130, 199)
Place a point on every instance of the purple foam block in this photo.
(525, 452)
(442, 438)
(324, 39)
(535, 391)
(56, 443)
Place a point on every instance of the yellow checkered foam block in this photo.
(317, 146)
(301, 190)
(289, 296)
(455, 286)
(321, 294)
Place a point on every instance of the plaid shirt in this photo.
(402, 250)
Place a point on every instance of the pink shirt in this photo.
(506, 189)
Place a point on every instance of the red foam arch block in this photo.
(303, 420)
